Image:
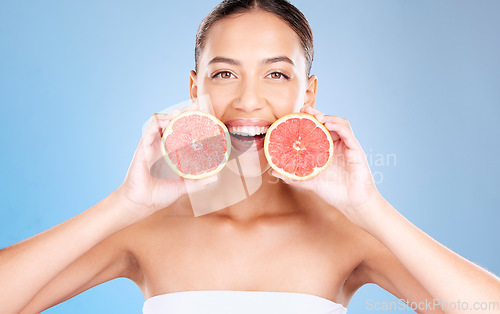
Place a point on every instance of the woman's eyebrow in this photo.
(224, 60)
(238, 63)
(278, 59)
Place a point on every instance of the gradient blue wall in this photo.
(418, 80)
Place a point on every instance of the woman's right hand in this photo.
(144, 191)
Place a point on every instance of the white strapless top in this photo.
(240, 302)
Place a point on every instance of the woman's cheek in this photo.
(285, 101)
(220, 103)
(220, 98)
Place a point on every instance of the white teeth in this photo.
(248, 130)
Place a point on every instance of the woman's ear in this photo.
(193, 85)
(312, 87)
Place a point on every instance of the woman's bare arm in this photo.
(448, 277)
(26, 267)
(347, 184)
(112, 258)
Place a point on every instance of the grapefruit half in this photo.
(298, 146)
(196, 144)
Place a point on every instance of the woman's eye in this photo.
(223, 75)
(278, 76)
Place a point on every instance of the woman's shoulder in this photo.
(338, 228)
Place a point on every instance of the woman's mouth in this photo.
(247, 134)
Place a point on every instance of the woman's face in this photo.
(253, 68)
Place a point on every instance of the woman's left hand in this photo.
(347, 183)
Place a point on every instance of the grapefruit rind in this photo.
(320, 125)
(168, 131)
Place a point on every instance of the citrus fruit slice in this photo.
(196, 145)
(298, 146)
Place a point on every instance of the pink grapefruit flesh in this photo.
(298, 146)
(196, 145)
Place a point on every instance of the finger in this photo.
(159, 121)
(175, 113)
(335, 136)
(314, 112)
(157, 124)
(192, 106)
(336, 120)
(345, 134)
(287, 180)
(274, 173)
(310, 110)
(327, 118)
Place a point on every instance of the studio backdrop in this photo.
(418, 81)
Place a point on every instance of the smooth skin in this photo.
(327, 236)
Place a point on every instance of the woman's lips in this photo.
(247, 122)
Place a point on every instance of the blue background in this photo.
(418, 80)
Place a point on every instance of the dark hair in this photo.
(281, 8)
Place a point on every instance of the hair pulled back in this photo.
(281, 8)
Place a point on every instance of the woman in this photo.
(302, 247)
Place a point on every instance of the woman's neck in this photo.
(266, 196)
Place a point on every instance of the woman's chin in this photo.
(247, 158)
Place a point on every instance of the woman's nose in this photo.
(249, 98)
